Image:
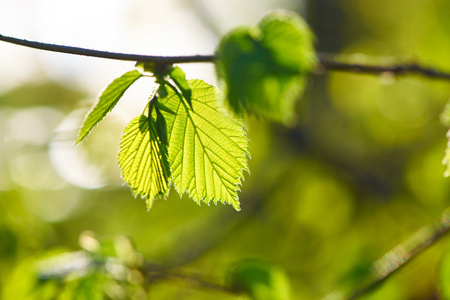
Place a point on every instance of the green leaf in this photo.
(260, 281)
(265, 67)
(178, 76)
(108, 99)
(143, 159)
(86, 288)
(24, 280)
(289, 40)
(145, 66)
(162, 89)
(208, 148)
(161, 127)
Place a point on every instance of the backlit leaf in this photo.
(261, 281)
(178, 76)
(108, 99)
(289, 40)
(85, 288)
(143, 159)
(265, 67)
(208, 148)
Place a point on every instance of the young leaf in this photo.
(178, 76)
(289, 41)
(88, 287)
(143, 159)
(260, 281)
(161, 127)
(108, 99)
(265, 67)
(207, 147)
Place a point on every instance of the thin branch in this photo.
(108, 55)
(329, 62)
(326, 61)
(400, 255)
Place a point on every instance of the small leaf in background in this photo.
(108, 99)
(261, 281)
(86, 288)
(178, 76)
(25, 282)
(265, 67)
(143, 160)
(208, 148)
(289, 40)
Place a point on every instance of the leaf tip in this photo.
(78, 141)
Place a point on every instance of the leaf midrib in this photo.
(203, 147)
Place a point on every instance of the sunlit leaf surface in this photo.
(207, 147)
(143, 159)
(178, 76)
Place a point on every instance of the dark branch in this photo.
(329, 62)
(108, 55)
(326, 61)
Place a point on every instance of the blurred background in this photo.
(358, 173)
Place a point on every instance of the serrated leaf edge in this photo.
(246, 155)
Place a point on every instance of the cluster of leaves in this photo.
(104, 269)
(186, 136)
(112, 268)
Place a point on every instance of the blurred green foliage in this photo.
(358, 173)
(264, 68)
(260, 281)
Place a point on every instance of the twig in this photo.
(400, 255)
(326, 61)
(329, 62)
(106, 54)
